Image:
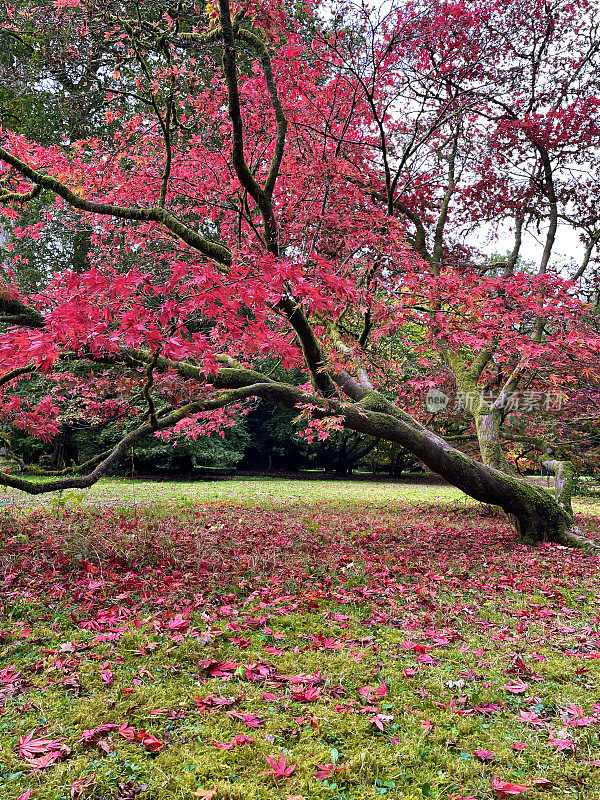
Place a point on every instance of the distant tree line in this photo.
(263, 440)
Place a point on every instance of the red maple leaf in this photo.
(250, 719)
(561, 744)
(29, 746)
(279, 768)
(149, 741)
(91, 735)
(484, 755)
(504, 788)
(324, 771)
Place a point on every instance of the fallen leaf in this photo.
(504, 788)
(279, 768)
(79, 785)
(484, 755)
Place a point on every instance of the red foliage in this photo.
(404, 130)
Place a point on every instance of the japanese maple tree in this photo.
(300, 186)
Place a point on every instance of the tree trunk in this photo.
(488, 436)
(341, 467)
(534, 512)
(488, 418)
(64, 452)
(564, 478)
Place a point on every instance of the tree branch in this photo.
(220, 400)
(15, 312)
(260, 48)
(212, 250)
(16, 373)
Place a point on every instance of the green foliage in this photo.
(273, 441)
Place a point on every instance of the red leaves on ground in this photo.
(484, 755)
(30, 747)
(218, 669)
(530, 718)
(92, 735)
(372, 693)
(162, 584)
(178, 623)
(504, 788)
(381, 720)
(41, 753)
(250, 719)
(279, 768)
(305, 695)
(561, 744)
(96, 736)
(205, 794)
(78, 786)
(149, 741)
(235, 742)
(106, 674)
(325, 771)
(519, 746)
(214, 702)
(516, 688)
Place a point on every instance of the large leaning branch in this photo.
(220, 400)
(522, 502)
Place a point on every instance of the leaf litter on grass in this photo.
(316, 651)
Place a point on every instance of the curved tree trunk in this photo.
(535, 513)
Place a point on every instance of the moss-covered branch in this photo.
(15, 312)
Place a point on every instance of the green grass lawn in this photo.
(250, 491)
(170, 641)
(264, 491)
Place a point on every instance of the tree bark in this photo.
(487, 425)
(564, 477)
(487, 416)
(533, 511)
(341, 466)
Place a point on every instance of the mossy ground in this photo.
(122, 615)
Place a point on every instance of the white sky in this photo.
(568, 251)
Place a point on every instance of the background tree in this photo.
(483, 116)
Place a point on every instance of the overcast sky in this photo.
(568, 250)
